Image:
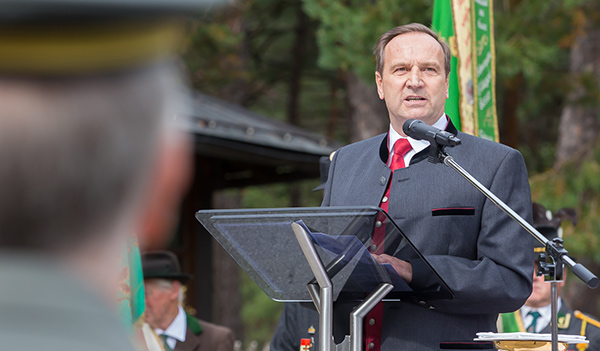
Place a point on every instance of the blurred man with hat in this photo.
(178, 329)
(535, 315)
(90, 154)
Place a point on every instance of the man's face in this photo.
(413, 82)
(161, 303)
(542, 291)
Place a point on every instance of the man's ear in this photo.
(379, 83)
(175, 287)
(170, 178)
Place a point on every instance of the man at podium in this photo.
(480, 252)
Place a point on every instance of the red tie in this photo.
(401, 148)
(373, 320)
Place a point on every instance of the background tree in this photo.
(574, 181)
(531, 67)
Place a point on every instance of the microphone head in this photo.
(407, 125)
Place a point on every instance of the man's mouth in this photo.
(415, 98)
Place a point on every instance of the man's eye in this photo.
(430, 69)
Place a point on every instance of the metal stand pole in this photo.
(323, 300)
(358, 316)
(554, 312)
(325, 305)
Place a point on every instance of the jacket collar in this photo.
(422, 155)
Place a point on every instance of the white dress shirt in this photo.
(417, 145)
(176, 331)
(544, 318)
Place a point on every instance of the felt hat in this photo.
(163, 264)
(549, 224)
(74, 37)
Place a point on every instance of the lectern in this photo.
(322, 254)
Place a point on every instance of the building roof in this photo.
(250, 148)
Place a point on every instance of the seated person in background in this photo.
(177, 329)
(535, 315)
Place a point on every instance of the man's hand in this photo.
(403, 268)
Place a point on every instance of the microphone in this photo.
(420, 130)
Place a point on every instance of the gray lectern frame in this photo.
(321, 254)
(324, 301)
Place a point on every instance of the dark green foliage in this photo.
(259, 313)
(277, 195)
(578, 187)
(348, 29)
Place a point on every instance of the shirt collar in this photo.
(177, 328)
(417, 145)
(545, 311)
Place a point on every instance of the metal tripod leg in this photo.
(358, 316)
(325, 305)
(323, 300)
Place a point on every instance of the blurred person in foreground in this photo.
(535, 315)
(164, 283)
(478, 250)
(90, 155)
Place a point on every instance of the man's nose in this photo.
(415, 79)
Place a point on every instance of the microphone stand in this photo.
(553, 271)
(553, 274)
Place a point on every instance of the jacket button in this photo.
(378, 224)
(382, 180)
(385, 198)
(371, 345)
(372, 321)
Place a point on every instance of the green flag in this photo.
(443, 24)
(467, 27)
(485, 72)
(510, 324)
(131, 290)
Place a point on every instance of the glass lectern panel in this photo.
(263, 243)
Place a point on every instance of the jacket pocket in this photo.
(453, 211)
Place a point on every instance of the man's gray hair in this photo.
(167, 284)
(386, 37)
(75, 152)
